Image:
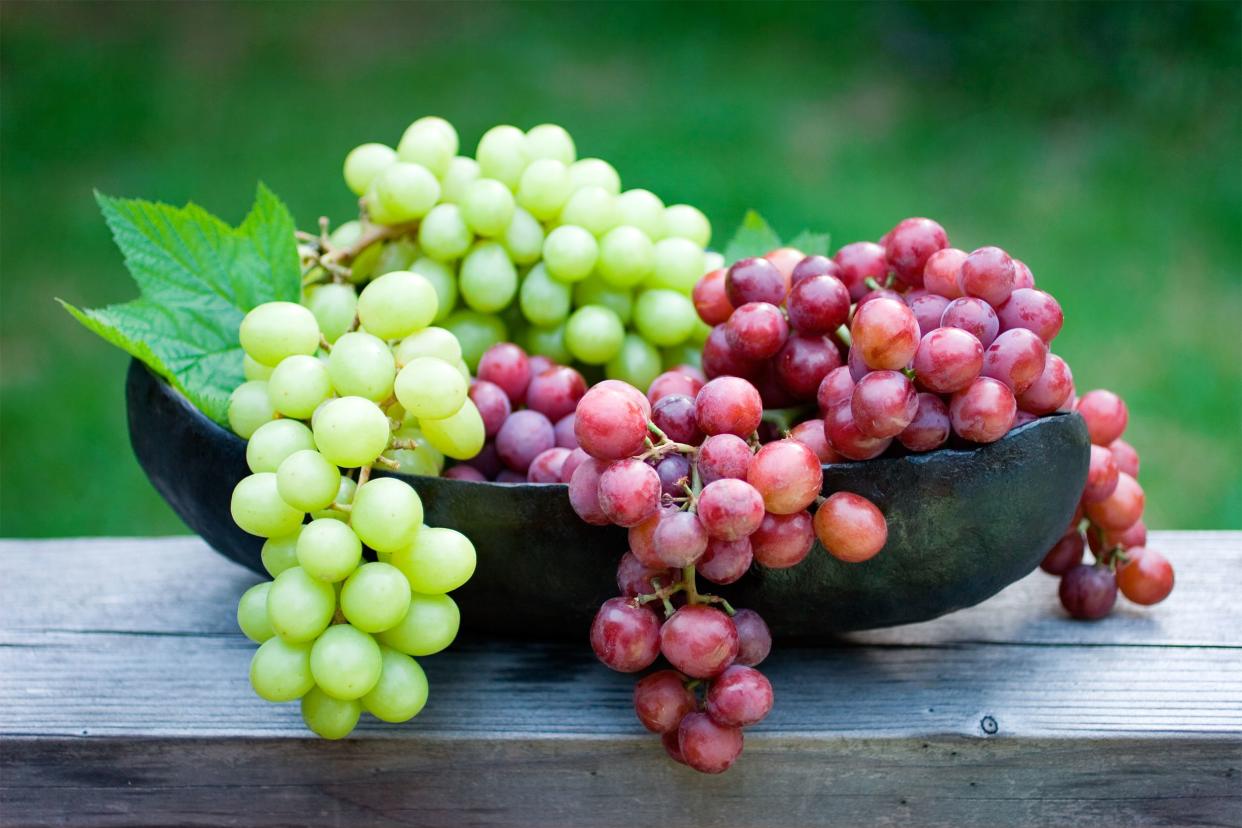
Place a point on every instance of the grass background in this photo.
(1101, 143)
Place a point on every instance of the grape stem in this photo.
(364, 474)
(403, 443)
(387, 463)
(324, 344)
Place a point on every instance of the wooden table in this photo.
(124, 701)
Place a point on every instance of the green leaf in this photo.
(753, 238)
(812, 244)
(197, 278)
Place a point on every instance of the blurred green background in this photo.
(1101, 143)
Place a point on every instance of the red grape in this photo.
(609, 424)
(1022, 276)
(507, 366)
(940, 272)
(1102, 475)
(510, 477)
(860, 261)
(524, 436)
(722, 456)
(858, 368)
(754, 640)
(564, 429)
(910, 244)
(539, 364)
(987, 273)
(706, 746)
(674, 414)
(1065, 554)
(847, 439)
(728, 405)
(555, 392)
(813, 266)
(679, 539)
(725, 561)
(640, 540)
(810, 433)
(1106, 415)
(818, 305)
(1050, 390)
(837, 387)
(487, 460)
(983, 411)
(928, 310)
(674, 472)
(1125, 455)
(625, 636)
(661, 701)
(756, 330)
(630, 391)
(1134, 535)
(575, 459)
(634, 577)
(493, 404)
(948, 360)
(850, 527)
(974, 316)
(1034, 310)
(1016, 358)
(710, 298)
(740, 697)
(693, 371)
(1088, 592)
(788, 476)
(803, 362)
(1146, 577)
(464, 472)
(629, 492)
(879, 293)
(547, 465)
(884, 403)
(584, 491)
(885, 334)
(782, 541)
(1121, 509)
(930, 427)
(673, 382)
(730, 509)
(720, 360)
(754, 280)
(785, 259)
(699, 640)
(672, 745)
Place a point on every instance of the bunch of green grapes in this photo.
(336, 628)
(526, 242)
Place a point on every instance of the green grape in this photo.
(334, 307)
(664, 317)
(591, 207)
(638, 362)
(700, 332)
(544, 188)
(476, 332)
(386, 513)
(712, 261)
(344, 497)
(275, 330)
(252, 613)
(429, 144)
(345, 662)
(401, 691)
(429, 456)
(686, 353)
(252, 370)
(280, 671)
(300, 607)
(488, 207)
(550, 141)
(594, 334)
(430, 387)
(548, 342)
(626, 256)
(364, 162)
(595, 172)
(375, 597)
(328, 550)
(462, 172)
(361, 365)
(429, 625)
(327, 717)
(298, 385)
(272, 442)
(543, 300)
(415, 462)
(642, 209)
(443, 235)
(678, 265)
(249, 408)
(523, 238)
(460, 435)
(439, 124)
(395, 255)
(397, 304)
(281, 553)
(438, 561)
(401, 193)
(443, 280)
(257, 508)
(685, 222)
(351, 432)
(569, 253)
(501, 155)
(488, 279)
(363, 265)
(429, 342)
(307, 481)
(595, 291)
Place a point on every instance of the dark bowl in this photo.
(962, 525)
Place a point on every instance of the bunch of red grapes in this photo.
(682, 469)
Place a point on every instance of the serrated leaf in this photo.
(754, 237)
(812, 244)
(197, 277)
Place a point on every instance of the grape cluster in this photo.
(527, 242)
(1109, 521)
(682, 469)
(362, 587)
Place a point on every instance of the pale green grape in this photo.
(595, 172)
(361, 365)
(542, 299)
(252, 613)
(443, 280)
(344, 497)
(375, 597)
(435, 122)
(327, 717)
(544, 188)
(364, 162)
(591, 207)
(638, 362)
(712, 261)
(488, 279)
(488, 207)
(334, 307)
(476, 332)
(363, 265)
(459, 435)
(275, 330)
(394, 255)
(461, 173)
(430, 387)
(351, 432)
(402, 192)
(431, 342)
(642, 209)
(438, 561)
(443, 235)
(386, 513)
(686, 353)
(594, 334)
(626, 256)
(252, 370)
(569, 253)
(307, 481)
(548, 342)
(430, 625)
(280, 671)
(595, 291)
(429, 144)
(685, 222)
(501, 155)
(397, 304)
(281, 553)
(298, 385)
(345, 662)
(700, 332)
(524, 238)
(664, 317)
(401, 691)
(550, 141)
(257, 508)
(249, 408)
(272, 442)
(415, 462)
(426, 451)
(300, 607)
(678, 265)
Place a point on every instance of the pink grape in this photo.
(725, 561)
(674, 472)
(624, 636)
(692, 371)
(575, 459)
(634, 577)
(803, 362)
(584, 491)
(885, 334)
(740, 697)
(723, 456)
(1103, 541)
(679, 539)
(1016, 358)
(487, 460)
(1033, 310)
(710, 298)
(837, 387)
(507, 366)
(1146, 577)
(810, 433)
(974, 316)
(1050, 390)
(928, 310)
(539, 364)
(464, 472)
(948, 360)
(756, 330)
(754, 280)
(879, 293)
(1065, 554)
(673, 382)
(818, 305)
(910, 244)
(788, 476)
(661, 701)
(1121, 509)
(930, 427)
(674, 414)
(730, 509)
(630, 391)
(754, 640)
(1106, 415)
(524, 436)
(847, 439)
(785, 259)
(720, 360)
(1021, 418)
(547, 465)
(860, 261)
(610, 424)
(641, 543)
(884, 403)
(989, 274)
(564, 428)
(629, 492)
(728, 405)
(813, 266)
(699, 640)
(781, 541)
(940, 272)
(493, 404)
(850, 527)
(1088, 592)
(1022, 276)
(1125, 455)
(983, 411)
(672, 746)
(555, 392)
(772, 391)
(706, 746)
(510, 477)
(1102, 475)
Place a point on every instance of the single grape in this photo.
(706, 746)
(755, 280)
(402, 192)
(754, 638)
(674, 414)
(626, 256)
(1022, 278)
(386, 514)
(810, 433)
(910, 244)
(609, 424)
(443, 234)
(364, 162)
(328, 550)
(818, 305)
(1065, 554)
(728, 405)
(375, 597)
(307, 481)
(664, 317)
(1051, 390)
(401, 691)
(686, 222)
(487, 207)
(1033, 310)
(275, 330)
(1126, 456)
(249, 408)
(280, 553)
(642, 209)
(252, 370)
(334, 307)
(860, 261)
(252, 613)
(740, 697)
(719, 359)
(884, 403)
(594, 334)
(731, 509)
(710, 299)
(940, 272)
(661, 701)
(725, 561)
(438, 561)
(555, 392)
(756, 330)
(983, 411)
(1146, 577)
(1088, 592)
(989, 274)
(544, 188)
(674, 473)
(570, 253)
(460, 435)
(345, 662)
(677, 265)
(280, 670)
(488, 280)
(837, 387)
(327, 717)
(595, 172)
(641, 539)
(847, 439)
(928, 310)
(787, 475)
(362, 365)
(974, 316)
(456, 181)
(524, 436)
(592, 208)
(501, 154)
(624, 636)
(930, 427)
(699, 640)
(673, 382)
(272, 442)
(300, 607)
(430, 387)
(547, 465)
(850, 527)
(723, 456)
(1102, 475)
(584, 491)
(1133, 535)
(629, 492)
(679, 539)
(1016, 358)
(431, 142)
(885, 334)
(523, 238)
(257, 508)
(1122, 508)
(429, 625)
(549, 141)
(564, 430)
(464, 472)
(1106, 415)
(812, 266)
(637, 362)
(506, 365)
